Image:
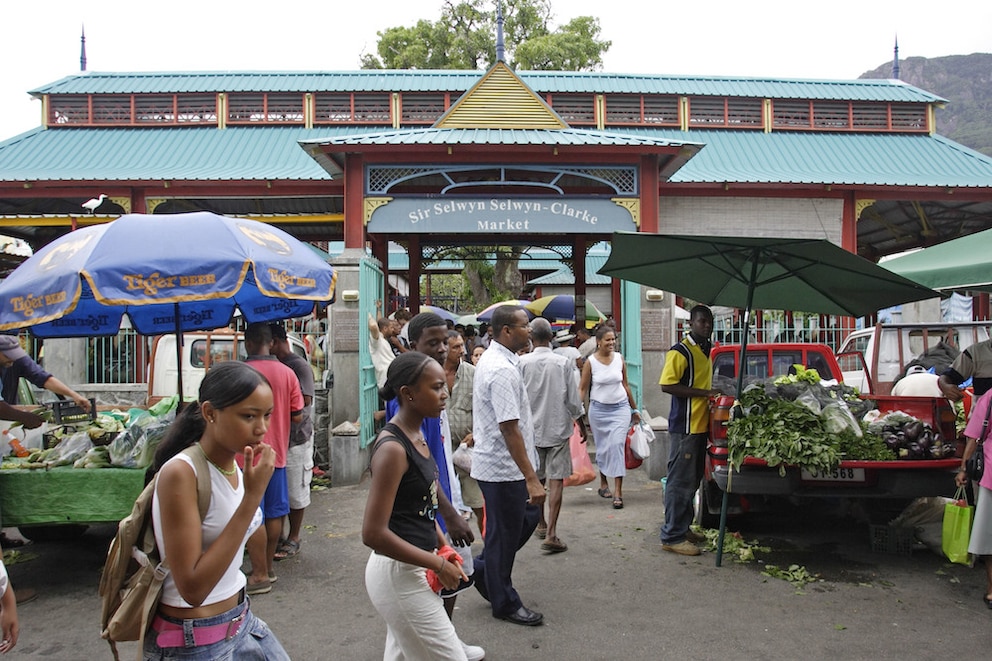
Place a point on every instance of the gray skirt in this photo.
(610, 423)
(981, 529)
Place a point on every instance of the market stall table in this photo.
(65, 495)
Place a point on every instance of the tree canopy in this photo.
(464, 37)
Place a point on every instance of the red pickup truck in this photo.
(756, 480)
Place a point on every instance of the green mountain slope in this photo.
(965, 81)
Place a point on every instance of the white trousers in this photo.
(417, 628)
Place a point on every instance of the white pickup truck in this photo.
(200, 349)
(873, 359)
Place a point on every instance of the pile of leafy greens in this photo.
(796, 420)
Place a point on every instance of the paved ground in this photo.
(613, 595)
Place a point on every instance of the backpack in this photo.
(131, 584)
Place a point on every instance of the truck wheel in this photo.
(706, 495)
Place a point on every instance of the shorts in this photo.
(299, 473)
(275, 500)
(555, 463)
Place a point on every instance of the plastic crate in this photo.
(66, 411)
(891, 539)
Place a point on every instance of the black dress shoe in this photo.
(524, 616)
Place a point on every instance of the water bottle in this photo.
(16, 448)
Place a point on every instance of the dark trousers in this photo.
(510, 521)
(686, 462)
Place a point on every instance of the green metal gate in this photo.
(630, 336)
(371, 286)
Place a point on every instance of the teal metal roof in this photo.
(564, 276)
(389, 80)
(867, 159)
(273, 153)
(433, 136)
(135, 154)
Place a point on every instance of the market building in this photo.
(557, 160)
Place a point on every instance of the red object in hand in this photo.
(449, 554)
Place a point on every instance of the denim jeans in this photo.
(685, 470)
(254, 640)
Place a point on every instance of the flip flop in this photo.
(605, 493)
(13, 542)
(288, 549)
(618, 503)
(541, 532)
(262, 587)
(554, 545)
(25, 595)
(988, 602)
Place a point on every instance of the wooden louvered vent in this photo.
(500, 100)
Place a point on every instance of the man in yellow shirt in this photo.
(688, 377)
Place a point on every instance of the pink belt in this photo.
(170, 634)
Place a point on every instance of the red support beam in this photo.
(649, 196)
(354, 202)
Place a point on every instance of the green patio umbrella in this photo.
(767, 273)
(962, 264)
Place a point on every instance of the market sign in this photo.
(498, 215)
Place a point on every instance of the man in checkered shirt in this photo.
(503, 462)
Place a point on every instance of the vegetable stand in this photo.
(64, 495)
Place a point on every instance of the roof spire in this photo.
(895, 61)
(82, 48)
(500, 47)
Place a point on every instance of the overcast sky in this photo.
(835, 40)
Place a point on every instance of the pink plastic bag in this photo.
(582, 470)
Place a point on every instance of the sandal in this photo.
(262, 587)
(618, 503)
(13, 542)
(541, 531)
(288, 549)
(554, 545)
(605, 493)
(988, 602)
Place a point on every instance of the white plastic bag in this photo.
(462, 458)
(639, 441)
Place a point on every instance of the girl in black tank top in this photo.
(400, 510)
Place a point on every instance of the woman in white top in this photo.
(611, 408)
(204, 613)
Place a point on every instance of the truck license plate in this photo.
(836, 475)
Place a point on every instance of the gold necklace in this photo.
(223, 471)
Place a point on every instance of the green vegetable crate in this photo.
(899, 540)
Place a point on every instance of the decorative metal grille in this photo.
(622, 179)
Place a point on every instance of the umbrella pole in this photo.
(740, 386)
(179, 356)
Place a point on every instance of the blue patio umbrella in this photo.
(167, 273)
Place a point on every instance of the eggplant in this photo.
(912, 429)
(915, 451)
(903, 441)
(926, 442)
(891, 441)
